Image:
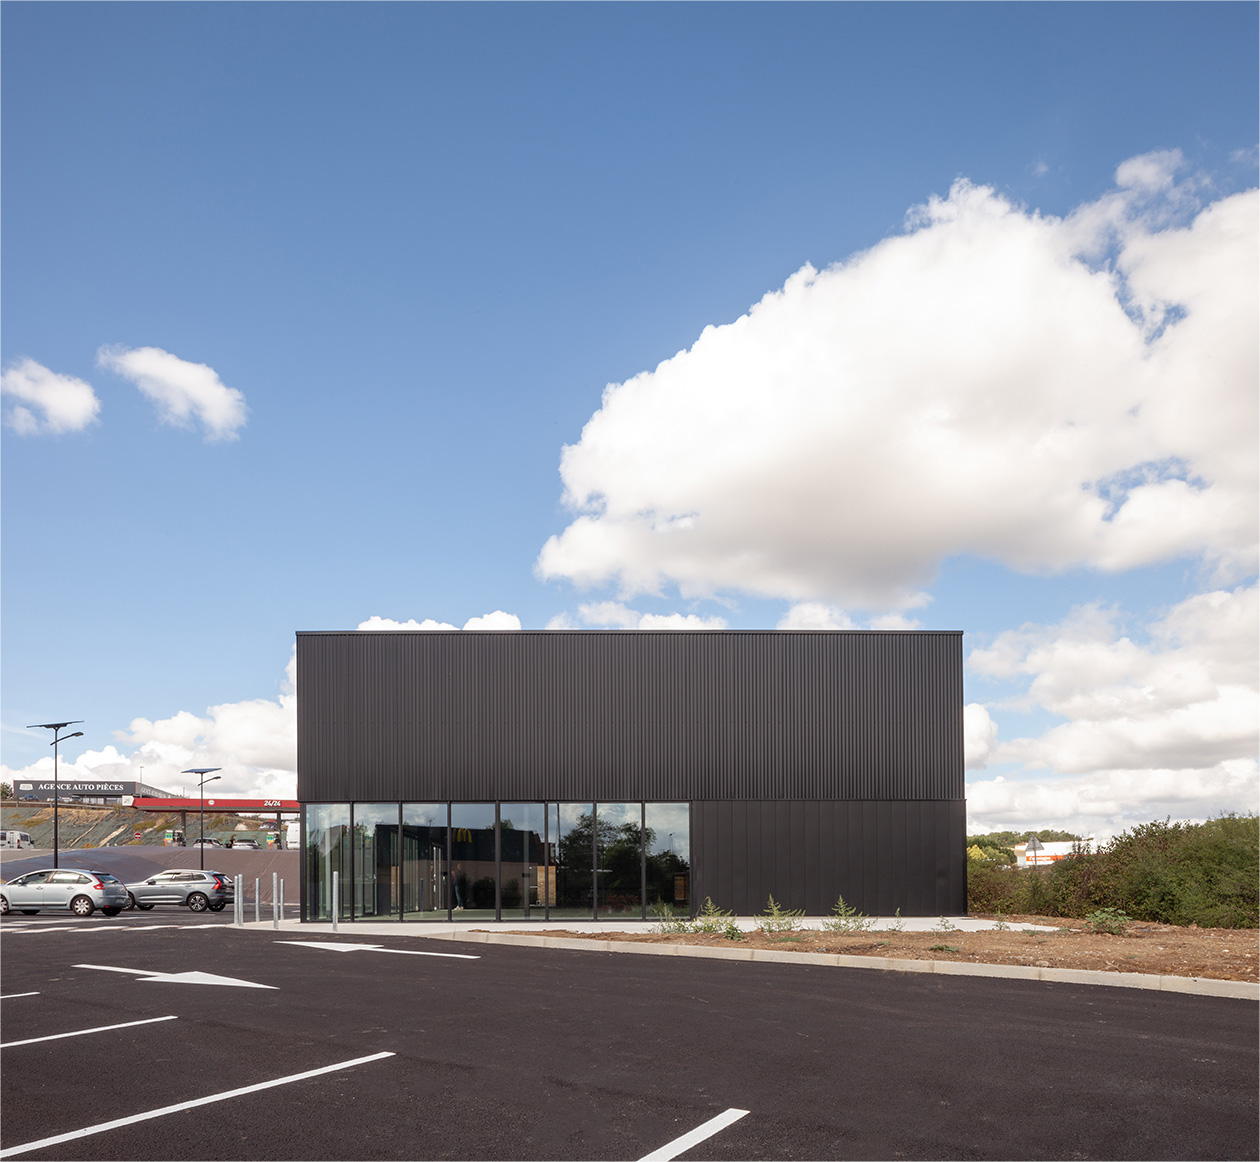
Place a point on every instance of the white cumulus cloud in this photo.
(1166, 725)
(496, 620)
(979, 736)
(185, 393)
(614, 615)
(1045, 392)
(42, 402)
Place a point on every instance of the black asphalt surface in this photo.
(539, 1053)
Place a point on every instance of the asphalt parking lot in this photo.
(413, 1048)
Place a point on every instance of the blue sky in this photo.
(420, 240)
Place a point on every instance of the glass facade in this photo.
(497, 861)
(619, 860)
(327, 851)
(472, 860)
(667, 836)
(424, 866)
(375, 860)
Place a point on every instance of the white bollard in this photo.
(282, 899)
(238, 904)
(336, 900)
(275, 915)
(257, 901)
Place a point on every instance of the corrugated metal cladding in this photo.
(630, 715)
(880, 856)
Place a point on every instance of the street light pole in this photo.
(57, 728)
(202, 772)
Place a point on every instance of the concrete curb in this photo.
(1193, 985)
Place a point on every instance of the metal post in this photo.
(282, 899)
(257, 901)
(275, 916)
(238, 898)
(336, 889)
(56, 799)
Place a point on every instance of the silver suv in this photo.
(199, 891)
(64, 889)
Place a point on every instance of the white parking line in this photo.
(695, 1137)
(14, 996)
(85, 1032)
(57, 1139)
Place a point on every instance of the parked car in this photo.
(207, 842)
(15, 839)
(243, 841)
(199, 891)
(64, 889)
(28, 798)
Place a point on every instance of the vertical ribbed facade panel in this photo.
(880, 857)
(612, 716)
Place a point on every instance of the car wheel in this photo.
(131, 902)
(110, 911)
(219, 906)
(81, 906)
(4, 906)
(197, 902)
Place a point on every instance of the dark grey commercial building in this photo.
(566, 774)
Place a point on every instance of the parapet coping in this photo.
(1192, 985)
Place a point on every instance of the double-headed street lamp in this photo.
(201, 792)
(57, 728)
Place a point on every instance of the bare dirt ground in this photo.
(1160, 949)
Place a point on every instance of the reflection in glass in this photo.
(574, 855)
(668, 838)
(376, 859)
(523, 867)
(618, 859)
(424, 876)
(327, 851)
(472, 860)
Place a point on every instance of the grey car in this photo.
(199, 891)
(64, 889)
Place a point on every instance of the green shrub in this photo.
(779, 919)
(1108, 920)
(711, 918)
(843, 918)
(1169, 873)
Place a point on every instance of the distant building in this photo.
(1050, 852)
(84, 791)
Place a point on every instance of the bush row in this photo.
(1170, 873)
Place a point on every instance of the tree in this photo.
(6, 790)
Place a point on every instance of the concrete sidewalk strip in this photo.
(1196, 986)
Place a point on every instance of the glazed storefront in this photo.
(496, 861)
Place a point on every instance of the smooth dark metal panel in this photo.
(629, 715)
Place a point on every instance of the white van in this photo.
(15, 839)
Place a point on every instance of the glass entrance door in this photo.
(424, 870)
(524, 867)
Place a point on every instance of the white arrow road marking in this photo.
(178, 977)
(185, 1105)
(375, 948)
(699, 1134)
(84, 1032)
